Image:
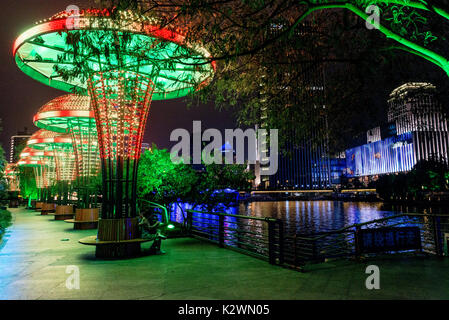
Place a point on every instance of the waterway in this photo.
(309, 217)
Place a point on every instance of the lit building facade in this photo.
(303, 160)
(19, 139)
(145, 146)
(394, 154)
(416, 130)
(304, 163)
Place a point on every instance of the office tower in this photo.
(16, 141)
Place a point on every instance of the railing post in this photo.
(271, 240)
(314, 250)
(295, 251)
(436, 236)
(281, 241)
(189, 221)
(358, 249)
(221, 230)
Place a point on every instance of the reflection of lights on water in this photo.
(300, 216)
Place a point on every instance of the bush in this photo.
(426, 176)
(5, 221)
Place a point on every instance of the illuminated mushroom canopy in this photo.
(11, 176)
(10, 169)
(63, 160)
(175, 67)
(71, 114)
(123, 64)
(34, 154)
(26, 162)
(48, 140)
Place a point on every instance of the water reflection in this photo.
(308, 217)
(305, 217)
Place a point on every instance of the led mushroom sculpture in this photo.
(123, 63)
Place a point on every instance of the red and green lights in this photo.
(123, 64)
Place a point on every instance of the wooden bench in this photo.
(48, 208)
(63, 216)
(114, 249)
(93, 241)
(85, 219)
(38, 206)
(64, 212)
(82, 224)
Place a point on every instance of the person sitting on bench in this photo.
(151, 230)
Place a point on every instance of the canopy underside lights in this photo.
(175, 67)
(72, 114)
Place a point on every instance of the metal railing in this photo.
(264, 237)
(258, 237)
(160, 210)
(301, 249)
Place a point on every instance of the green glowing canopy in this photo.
(175, 66)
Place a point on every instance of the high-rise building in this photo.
(303, 160)
(416, 130)
(413, 107)
(145, 146)
(19, 139)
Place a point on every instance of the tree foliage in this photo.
(27, 183)
(271, 53)
(88, 189)
(426, 176)
(162, 181)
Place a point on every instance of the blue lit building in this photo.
(337, 167)
(416, 130)
(394, 154)
(302, 165)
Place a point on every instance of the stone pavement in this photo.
(34, 260)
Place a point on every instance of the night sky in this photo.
(21, 97)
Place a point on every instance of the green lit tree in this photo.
(210, 190)
(166, 182)
(429, 176)
(163, 181)
(426, 176)
(27, 183)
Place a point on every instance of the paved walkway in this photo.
(34, 259)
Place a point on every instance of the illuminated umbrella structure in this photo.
(36, 160)
(12, 184)
(63, 162)
(123, 64)
(11, 177)
(71, 114)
